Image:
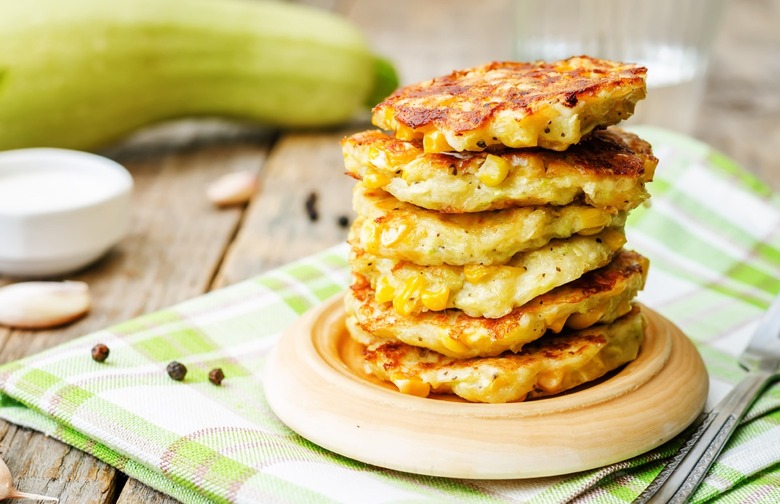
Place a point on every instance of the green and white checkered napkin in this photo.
(712, 234)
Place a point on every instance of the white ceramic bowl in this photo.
(60, 210)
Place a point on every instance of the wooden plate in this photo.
(315, 384)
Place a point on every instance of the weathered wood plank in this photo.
(135, 492)
(277, 227)
(176, 243)
(45, 466)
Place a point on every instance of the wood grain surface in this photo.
(180, 246)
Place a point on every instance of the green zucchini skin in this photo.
(83, 73)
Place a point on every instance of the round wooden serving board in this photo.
(315, 384)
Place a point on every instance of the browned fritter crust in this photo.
(599, 296)
(388, 227)
(547, 366)
(486, 291)
(514, 103)
(609, 169)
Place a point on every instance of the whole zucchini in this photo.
(82, 73)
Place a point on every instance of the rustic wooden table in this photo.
(180, 246)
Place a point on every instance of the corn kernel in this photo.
(493, 171)
(375, 180)
(475, 272)
(384, 292)
(435, 141)
(550, 380)
(392, 235)
(590, 231)
(404, 306)
(388, 115)
(383, 333)
(557, 325)
(579, 321)
(411, 386)
(436, 300)
(624, 307)
(369, 236)
(613, 238)
(454, 346)
(593, 221)
(404, 132)
(406, 301)
(377, 157)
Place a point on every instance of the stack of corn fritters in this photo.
(487, 255)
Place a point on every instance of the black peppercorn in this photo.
(99, 352)
(216, 376)
(343, 221)
(311, 206)
(176, 370)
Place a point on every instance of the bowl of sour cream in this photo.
(60, 210)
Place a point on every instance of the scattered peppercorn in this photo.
(99, 352)
(216, 376)
(343, 221)
(311, 206)
(176, 370)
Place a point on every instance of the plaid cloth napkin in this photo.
(713, 236)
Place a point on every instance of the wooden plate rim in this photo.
(312, 390)
(652, 358)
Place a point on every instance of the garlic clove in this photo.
(40, 305)
(8, 491)
(233, 188)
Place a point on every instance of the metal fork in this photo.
(682, 476)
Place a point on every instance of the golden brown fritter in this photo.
(550, 365)
(485, 291)
(546, 104)
(609, 170)
(599, 296)
(391, 228)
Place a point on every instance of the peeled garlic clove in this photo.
(232, 188)
(39, 305)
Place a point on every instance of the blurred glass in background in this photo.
(672, 38)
